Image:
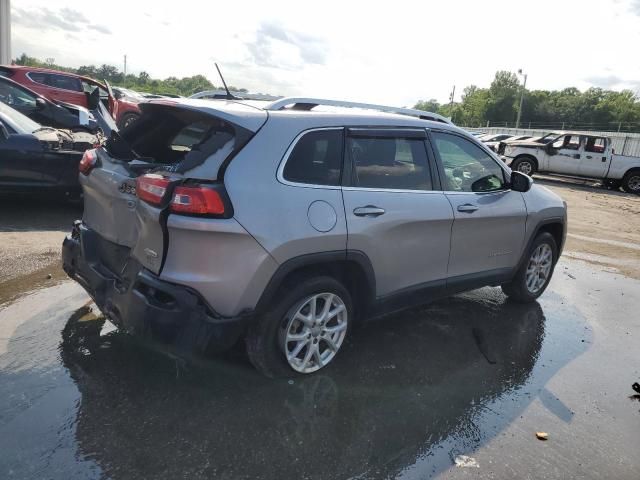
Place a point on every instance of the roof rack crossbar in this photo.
(309, 103)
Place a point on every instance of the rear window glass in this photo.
(316, 159)
(179, 140)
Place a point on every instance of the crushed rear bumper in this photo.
(136, 300)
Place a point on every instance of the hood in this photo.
(526, 144)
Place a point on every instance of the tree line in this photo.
(593, 109)
(141, 82)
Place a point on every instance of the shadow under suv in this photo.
(286, 222)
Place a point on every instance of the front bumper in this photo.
(137, 301)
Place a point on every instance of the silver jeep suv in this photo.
(285, 223)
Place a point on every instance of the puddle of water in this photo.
(406, 396)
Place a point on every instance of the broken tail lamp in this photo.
(185, 199)
(87, 162)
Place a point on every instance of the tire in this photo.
(127, 119)
(631, 182)
(518, 289)
(526, 165)
(265, 339)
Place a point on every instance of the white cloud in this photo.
(392, 53)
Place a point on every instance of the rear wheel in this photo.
(534, 275)
(524, 165)
(631, 182)
(304, 329)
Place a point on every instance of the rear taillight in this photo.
(151, 188)
(88, 162)
(197, 200)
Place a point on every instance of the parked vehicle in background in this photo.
(183, 236)
(575, 154)
(150, 96)
(71, 88)
(493, 137)
(223, 95)
(495, 146)
(39, 160)
(44, 111)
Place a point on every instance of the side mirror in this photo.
(520, 182)
(40, 103)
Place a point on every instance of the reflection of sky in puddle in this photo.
(409, 393)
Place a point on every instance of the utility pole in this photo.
(124, 80)
(453, 92)
(5, 32)
(524, 87)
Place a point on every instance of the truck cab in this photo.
(575, 154)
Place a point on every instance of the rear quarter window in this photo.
(316, 159)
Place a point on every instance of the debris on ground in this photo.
(542, 435)
(49, 276)
(466, 462)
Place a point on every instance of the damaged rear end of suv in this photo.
(143, 189)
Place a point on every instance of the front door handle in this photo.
(467, 208)
(368, 211)
(589, 157)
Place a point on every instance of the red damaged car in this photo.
(72, 88)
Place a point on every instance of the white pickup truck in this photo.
(577, 155)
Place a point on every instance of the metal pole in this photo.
(453, 92)
(5, 32)
(124, 80)
(524, 87)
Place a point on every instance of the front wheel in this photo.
(534, 275)
(524, 165)
(304, 329)
(631, 182)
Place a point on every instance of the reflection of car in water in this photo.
(409, 385)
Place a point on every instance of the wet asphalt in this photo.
(472, 375)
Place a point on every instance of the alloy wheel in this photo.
(634, 184)
(314, 330)
(525, 167)
(539, 268)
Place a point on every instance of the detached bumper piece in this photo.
(137, 301)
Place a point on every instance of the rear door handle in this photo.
(368, 211)
(589, 157)
(467, 208)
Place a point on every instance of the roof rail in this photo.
(303, 103)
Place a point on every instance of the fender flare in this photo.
(318, 260)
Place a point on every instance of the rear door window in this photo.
(389, 163)
(316, 159)
(64, 82)
(595, 144)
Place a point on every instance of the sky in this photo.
(379, 52)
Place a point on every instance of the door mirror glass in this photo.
(520, 182)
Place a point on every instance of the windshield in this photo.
(17, 121)
(549, 137)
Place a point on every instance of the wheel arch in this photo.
(554, 226)
(352, 268)
(529, 157)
